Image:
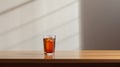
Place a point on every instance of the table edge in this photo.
(59, 60)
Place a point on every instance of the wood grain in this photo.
(82, 56)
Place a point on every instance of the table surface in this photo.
(82, 56)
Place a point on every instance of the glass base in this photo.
(49, 53)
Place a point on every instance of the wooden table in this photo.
(82, 56)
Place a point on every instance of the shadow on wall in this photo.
(100, 24)
(34, 20)
(16, 7)
(53, 29)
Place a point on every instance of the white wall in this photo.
(24, 22)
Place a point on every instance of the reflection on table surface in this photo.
(39, 55)
(60, 56)
(52, 56)
(82, 54)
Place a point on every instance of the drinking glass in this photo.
(49, 44)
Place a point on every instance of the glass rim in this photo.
(49, 36)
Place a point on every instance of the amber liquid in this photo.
(49, 45)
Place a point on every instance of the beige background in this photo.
(24, 22)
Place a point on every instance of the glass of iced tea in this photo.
(49, 44)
